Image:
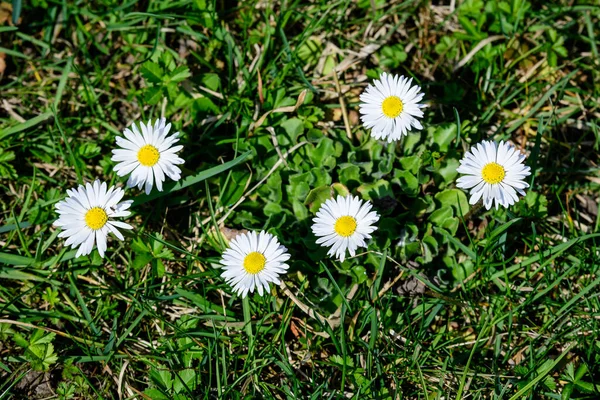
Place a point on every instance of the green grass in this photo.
(449, 301)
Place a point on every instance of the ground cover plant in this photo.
(445, 299)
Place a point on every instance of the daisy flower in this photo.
(85, 216)
(493, 172)
(252, 261)
(343, 224)
(148, 156)
(391, 107)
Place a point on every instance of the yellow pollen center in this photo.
(254, 262)
(148, 155)
(392, 106)
(345, 226)
(96, 218)
(493, 173)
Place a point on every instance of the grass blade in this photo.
(191, 180)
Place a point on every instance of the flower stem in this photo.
(248, 324)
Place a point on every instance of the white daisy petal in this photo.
(343, 224)
(253, 261)
(389, 107)
(493, 172)
(148, 155)
(85, 216)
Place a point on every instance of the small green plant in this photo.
(39, 350)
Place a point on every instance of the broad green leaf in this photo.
(441, 215)
(205, 105)
(411, 163)
(294, 127)
(272, 209)
(211, 81)
(443, 136)
(185, 381)
(340, 190)
(179, 74)
(375, 190)
(349, 173)
(299, 210)
(324, 154)
(161, 377)
(317, 197)
(152, 72)
(447, 172)
(407, 181)
(455, 198)
(153, 94)
(155, 394)
(141, 260)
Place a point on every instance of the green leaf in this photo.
(447, 172)
(299, 210)
(235, 187)
(349, 173)
(152, 72)
(407, 181)
(462, 270)
(159, 268)
(429, 248)
(20, 340)
(324, 154)
(16, 11)
(294, 127)
(185, 381)
(441, 215)
(272, 209)
(155, 394)
(359, 273)
(300, 185)
(392, 56)
(375, 190)
(205, 105)
(533, 205)
(329, 65)
(411, 163)
(310, 51)
(206, 306)
(25, 125)
(443, 136)
(141, 260)
(191, 180)
(162, 378)
(340, 190)
(542, 374)
(13, 259)
(41, 356)
(153, 94)
(38, 337)
(455, 198)
(179, 74)
(211, 81)
(317, 197)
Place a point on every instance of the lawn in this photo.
(446, 300)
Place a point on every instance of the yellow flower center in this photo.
(96, 218)
(345, 226)
(254, 263)
(493, 173)
(148, 155)
(392, 106)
